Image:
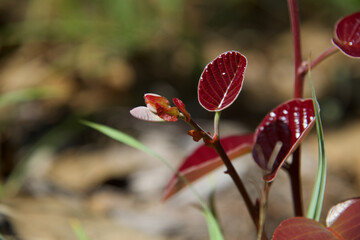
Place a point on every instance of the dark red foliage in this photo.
(343, 223)
(221, 81)
(344, 219)
(347, 35)
(181, 106)
(161, 106)
(300, 228)
(284, 127)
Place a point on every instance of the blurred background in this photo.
(66, 60)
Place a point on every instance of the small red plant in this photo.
(277, 137)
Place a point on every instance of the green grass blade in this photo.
(78, 229)
(213, 225)
(317, 197)
(124, 138)
(26, 95)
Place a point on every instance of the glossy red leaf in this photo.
(221, 81)
(300, 228)
(344, 219)
(347, 35)
(205, 159)
(283, 128)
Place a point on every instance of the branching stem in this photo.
(253, 211)
(237, 180)
(306, 66)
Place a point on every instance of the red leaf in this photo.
(170, 114)
(161, 107)
(152, 99)
(181, 106)
(343, 223)
(344, 219)
(347, 35)
(300, 228)
(205, 159)
(287, 124)
(221, 81)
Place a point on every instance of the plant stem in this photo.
(196, 126)
(237, 180)
(216, 123)
(294, 170)
(232, 171)
(262, 209)
(295, 181)
(253, 211)
(295, 27)
(327, 53)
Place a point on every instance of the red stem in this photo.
(295, 27)
(232, 172)
(327, 53)
(295, 181)
(253, 211)
(294, 170)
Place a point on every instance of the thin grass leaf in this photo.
(213, 225)
(78, 230)
(124, 138)
(25, 95)
(317, 197)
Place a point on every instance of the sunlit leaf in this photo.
(343, 223)
(344, 219)
(161, 106)
(301, 228)
(283, 128)
(205, 159)
(221, 81)
(157, 109)
(347, 35)
(144, 113)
